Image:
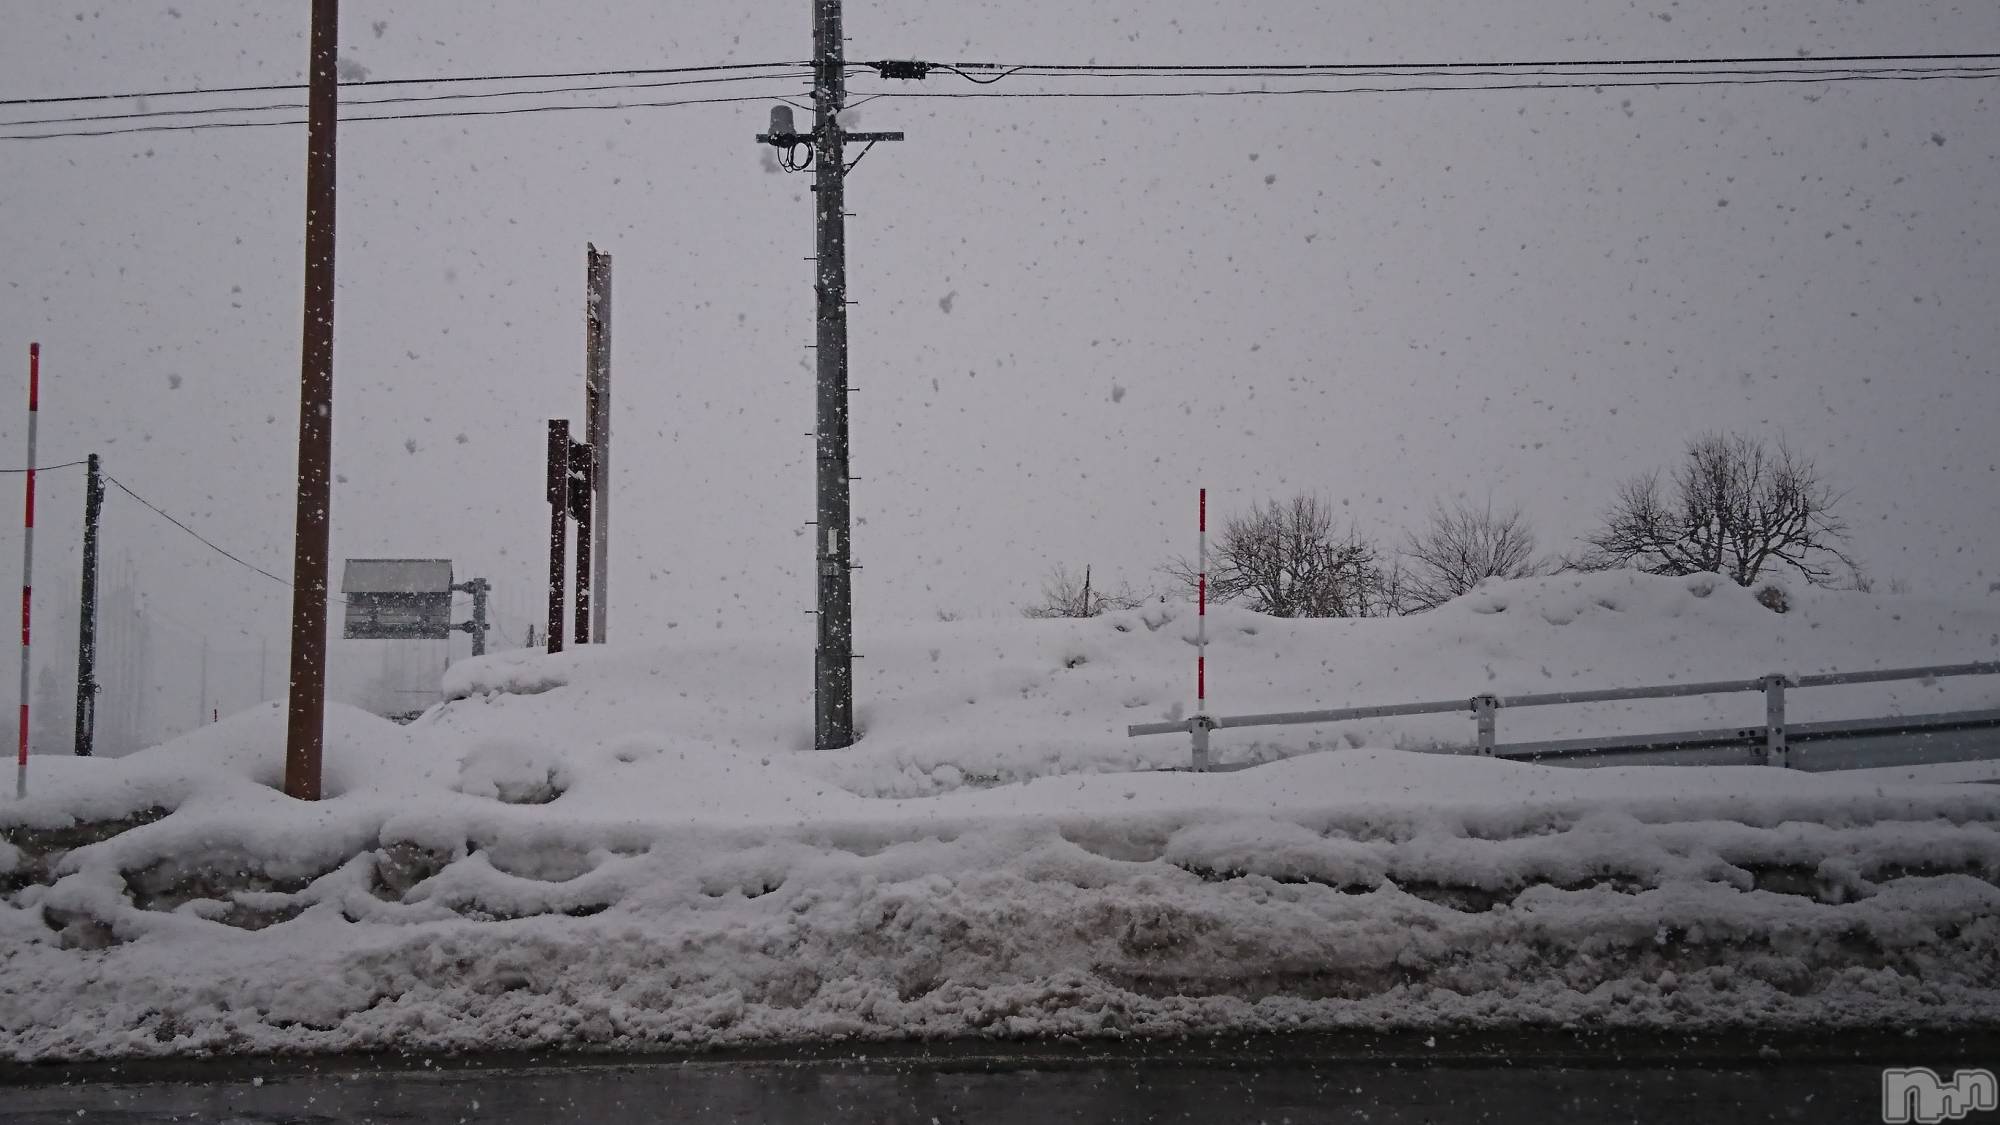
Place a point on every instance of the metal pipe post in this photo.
(1777, 748)
(306, 714)
(1485, 710)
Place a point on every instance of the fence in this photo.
(1771, 744)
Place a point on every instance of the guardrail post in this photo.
(1483, 710)
(1777, 752)
(1199, 726)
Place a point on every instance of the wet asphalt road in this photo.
(1278, 1080)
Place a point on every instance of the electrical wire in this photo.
(1430, 89)
(1744, 60)
(406, 99)
(983, 81)
(44, 468)
(293, 121)
(1420, 72)
(1648, 73)
(544, 76)
(204, 540)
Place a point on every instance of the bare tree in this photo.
(1066, 595)
(1287, 560)
(1736, 506)
(1462, 546)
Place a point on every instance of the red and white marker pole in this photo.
(28, 559)
(1199, 724)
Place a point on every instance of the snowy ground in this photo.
(624, 848)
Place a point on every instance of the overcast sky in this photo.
(1070, 313)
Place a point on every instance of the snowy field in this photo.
(629, 847)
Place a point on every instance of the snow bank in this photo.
(632, 848)
(949, 704)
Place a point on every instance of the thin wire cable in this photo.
(637, 72)
(1741, 60)
(45, 468)
(1434, 89)
(205, 541)
(982, 81)
(513, 111)
(421, 99)
(1802, 77)
(1420, 72)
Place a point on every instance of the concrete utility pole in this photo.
(305, 718)
(833, 655)
(86, 617)
(597, 427)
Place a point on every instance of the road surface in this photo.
(1545, 1080)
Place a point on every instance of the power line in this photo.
(408, 99)
(1615, 74)
(435, 81)
(205, 541)
(505, 112)
(44, 468)
(1497, 72)
(1434, 89)
(1741, 60)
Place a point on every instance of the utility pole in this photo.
(28, 559)
(86, 629)
(597, 429)
(833, 654)
(558, 491)
(580, 496)
(306, 714)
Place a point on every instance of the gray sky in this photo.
(1070, 313)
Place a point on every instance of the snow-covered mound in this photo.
(625, 848)
(944, 704)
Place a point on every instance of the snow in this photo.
(636, 847)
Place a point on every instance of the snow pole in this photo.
(1199, 724)
(28, 560)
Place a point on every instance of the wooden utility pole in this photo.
(597, 430)
(306, 714)
(86, 617)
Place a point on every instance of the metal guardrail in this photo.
(1772, 741)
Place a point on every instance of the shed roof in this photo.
(396, 576)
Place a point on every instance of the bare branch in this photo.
(1736, 506)
(1286, 559)
(1462, 546)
